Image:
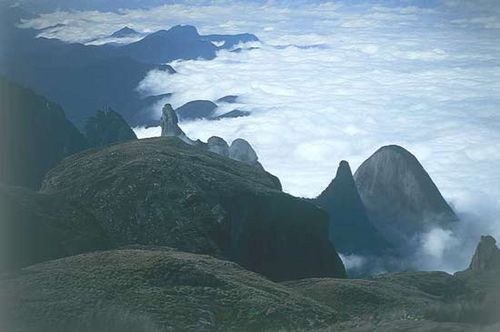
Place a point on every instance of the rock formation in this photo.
(350, 228)
(107, 127)
(34, 135)
(169, 124)
(164, 192)
(218, 145)
(486, 256)
(400, 197)
(242, 151)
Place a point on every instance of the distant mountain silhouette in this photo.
(196, 109)
(124, 32)
(83, 79)
(107, 127)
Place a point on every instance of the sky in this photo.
(334, 81)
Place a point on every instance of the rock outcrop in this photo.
(169, 125)
(400, 197)
(486, 257)
(239, 150)
(218, 145)
(164, 192)
(350, 229)
(107, 127)
(34, 135)
(242, 151)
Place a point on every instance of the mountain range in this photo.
(85, 78)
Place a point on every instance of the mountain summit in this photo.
(400, 197)
(350, 228)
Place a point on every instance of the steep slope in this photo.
(400, 198)
(350, 228)
(165, 192)
(107, 127)
(34, 135)
(151, 289)
(37, 227)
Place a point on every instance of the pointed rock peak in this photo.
(344, 170)
(487, 255)
(169, 122)
(350, 229)
(124, 32)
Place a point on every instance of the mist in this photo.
(330, 82)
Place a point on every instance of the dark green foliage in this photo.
(37, 227)
(34, 135)
(107, 127)
(151, 289)
(482, 312)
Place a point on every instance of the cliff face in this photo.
(400, 197)
(350, 229)
(165, 192)
(34, 136)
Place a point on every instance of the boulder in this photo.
(218, 145)
(242, 151)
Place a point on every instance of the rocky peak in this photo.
(218, 145)
(487, 255)
(242, 151)
(169, 124)
(350, 229)
(400, 197)
(107, 127)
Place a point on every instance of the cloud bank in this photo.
(333, 81)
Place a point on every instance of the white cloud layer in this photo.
(332, 82)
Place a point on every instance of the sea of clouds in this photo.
(333, 81)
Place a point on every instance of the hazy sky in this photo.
(337, 80)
